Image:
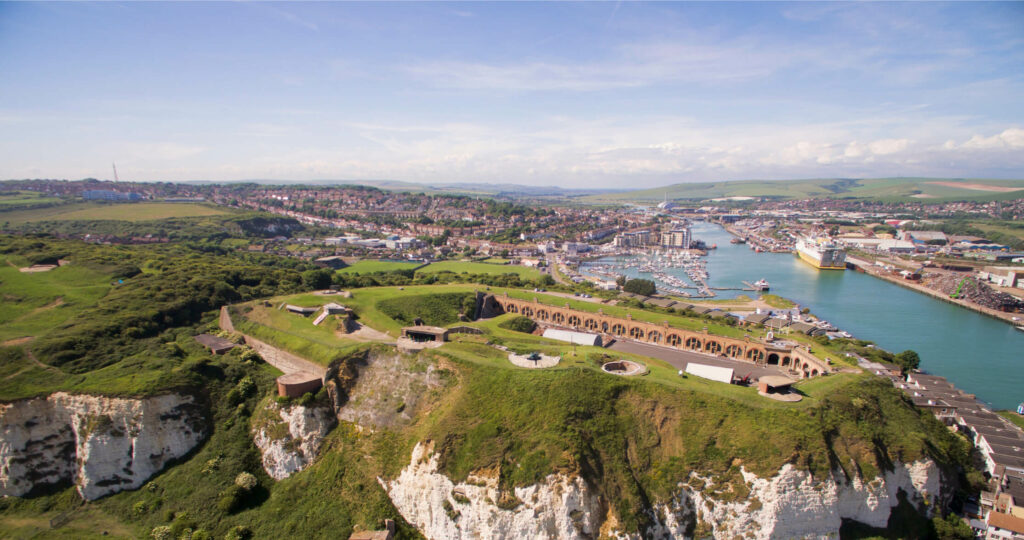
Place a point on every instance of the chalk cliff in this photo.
(790, 504)
(102, 445)
(289, 437)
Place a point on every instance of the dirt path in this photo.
(284, 360)
(281, 359)
(58, 302)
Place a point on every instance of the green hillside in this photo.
(896, 189)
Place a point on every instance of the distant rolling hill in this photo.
(889, 189)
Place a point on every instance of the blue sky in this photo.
(598, 94)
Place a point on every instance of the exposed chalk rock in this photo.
(790, 504)
(102, 445)
(289, 437)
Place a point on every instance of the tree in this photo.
(908, 360)
(621, 281)
(952, 528)
(643, 287)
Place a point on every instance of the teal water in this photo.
(978, 354)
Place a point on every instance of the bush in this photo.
(231, 499)
(246, 481)
(162, 532)
(519, 324)
(239, 532)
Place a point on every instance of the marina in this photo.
(979, 354)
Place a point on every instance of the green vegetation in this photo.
(433, 309)
(129, 327)
(777, 301)
(643, 287)
(371, 267)
(519, 324)
(459, 267)
(115, 212)
(21, 199)
(1013, 417)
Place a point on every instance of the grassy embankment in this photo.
(1013, 417)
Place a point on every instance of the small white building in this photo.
(713, 373)
(576, 338)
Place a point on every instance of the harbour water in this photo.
(978, 354)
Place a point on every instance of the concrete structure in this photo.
(425, 333)
(301, 310)
(293, 385)
(763, 353)
(773, 384)
(215, 344)
(576, 338)
(713, 373)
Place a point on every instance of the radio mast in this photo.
(114, 165)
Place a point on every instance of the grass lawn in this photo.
(34, 302)
(25, 197)
(292, 332)
(116, 212)
(460, 267)
(371, 266)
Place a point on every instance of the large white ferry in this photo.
(821, 253)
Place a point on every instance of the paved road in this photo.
(679, 359)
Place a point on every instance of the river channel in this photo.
(978, 354)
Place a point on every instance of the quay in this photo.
(866, 267)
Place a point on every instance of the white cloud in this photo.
(1010, 138)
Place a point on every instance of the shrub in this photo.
(239, 532)
(230, 499)
(246, 481)
(162, 532)
(643, 287)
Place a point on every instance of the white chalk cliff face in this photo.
(789, 505)
(291, 438)
(102, 445)
(558, 507)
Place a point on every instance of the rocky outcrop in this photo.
(102, 445)
(289, 437)
(559, 507)
(790, 504)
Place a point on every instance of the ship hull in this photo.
(817, 263)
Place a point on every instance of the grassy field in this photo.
(460, 267)
(25, 197)
(36, 302)
(369, 267)
(115, 212)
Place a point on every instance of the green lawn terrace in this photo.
(267, 321)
